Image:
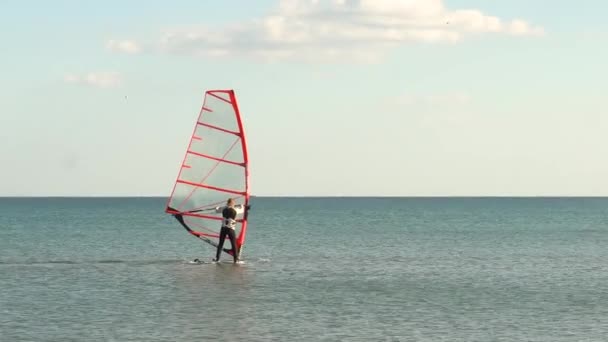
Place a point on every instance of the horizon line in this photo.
(316, 196)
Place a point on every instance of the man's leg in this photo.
(221, 243)
(235, 250)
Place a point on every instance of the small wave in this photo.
(36, 262)
(88, 262)
(119, 261)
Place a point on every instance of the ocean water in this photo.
(316, 269)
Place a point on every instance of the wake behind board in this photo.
(215, 168)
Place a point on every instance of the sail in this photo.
(215, 168)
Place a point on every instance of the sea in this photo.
(315, 269)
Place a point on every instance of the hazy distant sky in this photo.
(367, 97)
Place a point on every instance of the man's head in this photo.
(230, 202)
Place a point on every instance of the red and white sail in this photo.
(215, 168)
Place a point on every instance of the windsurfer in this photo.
(229, 213)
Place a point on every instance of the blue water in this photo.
(343, 269)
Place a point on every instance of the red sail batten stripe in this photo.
(203, 216)
(217, 128)
(208, 173)
(211, 187)
(215, 158)
(219, 97)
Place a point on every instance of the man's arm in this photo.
(241, 208)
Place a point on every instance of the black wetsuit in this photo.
(229, 215)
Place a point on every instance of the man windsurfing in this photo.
(229, 213)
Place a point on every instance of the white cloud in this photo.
(127, 46)
(340, 30)
(520, 27)
(96, 79)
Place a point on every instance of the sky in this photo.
(338, 97)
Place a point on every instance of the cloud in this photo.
(340, 30)
(96, 79)
(126, 46)
(521, 28)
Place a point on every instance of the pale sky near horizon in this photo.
(341, 97)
